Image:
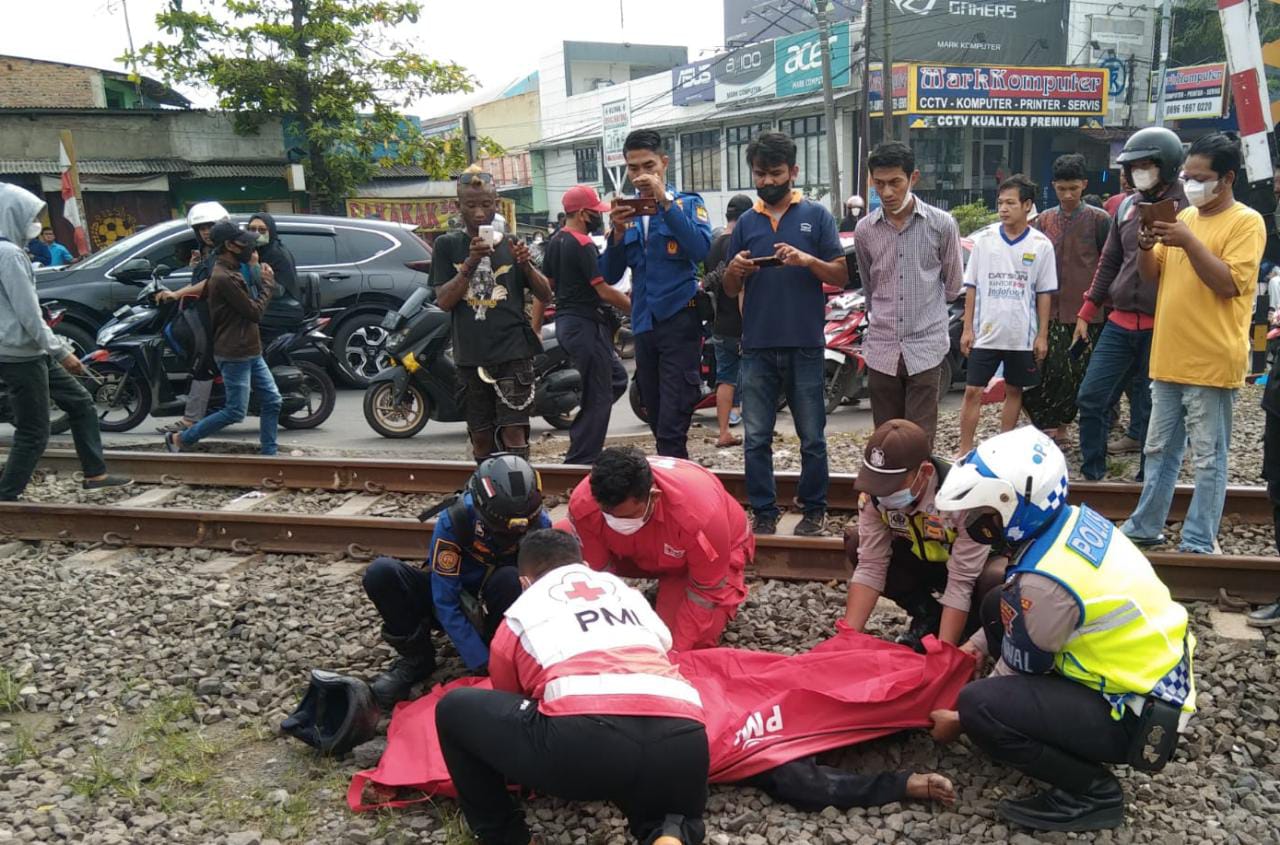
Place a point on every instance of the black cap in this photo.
(894, 449)
(738, 204)
(228, 232)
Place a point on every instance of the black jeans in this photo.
(668, 370)
(1049, 727)
(603, 380)
(651, 767)
(31, 385)
(402, 594)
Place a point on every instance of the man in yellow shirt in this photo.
(1206, 264)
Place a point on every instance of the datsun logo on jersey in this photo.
(759, 727)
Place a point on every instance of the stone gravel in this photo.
(140, 697)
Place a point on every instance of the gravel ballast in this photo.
(140, 698)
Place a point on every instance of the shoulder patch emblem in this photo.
(446, 559)
(702, 214)
(672, 247)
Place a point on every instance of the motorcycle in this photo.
(59, 423)
(423, 383)
(138, 373)
(844, 370)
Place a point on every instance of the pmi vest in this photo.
(1132, 637)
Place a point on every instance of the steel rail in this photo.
(1114, 500)
(1188, 576)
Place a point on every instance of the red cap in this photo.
(892, 452)
(583, 196)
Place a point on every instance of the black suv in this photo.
(365, 267)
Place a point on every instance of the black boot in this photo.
(1100, 806)
(415, 664)
(926, 619)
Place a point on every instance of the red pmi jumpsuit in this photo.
(697, 544)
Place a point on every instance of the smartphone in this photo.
(1165, 211)
(490, 234)
(767, 261)
(642, 206)
(1077, 349)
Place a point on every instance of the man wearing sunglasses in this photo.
(481, 279)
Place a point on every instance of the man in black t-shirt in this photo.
(482, 281)
(726, 331)
(571, 263)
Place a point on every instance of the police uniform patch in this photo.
(1007, 614)
(672, 247)
(446, 559)
(702, 214)
(934, 529)
(898, 522)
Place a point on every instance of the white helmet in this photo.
(203, 213)
(854, 201)
(1021, 475)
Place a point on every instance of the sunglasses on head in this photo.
(480, 178)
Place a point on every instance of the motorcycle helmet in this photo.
(204, 213)
(506, 493)
(336, 714)
(1012, 486)
(1158, 144)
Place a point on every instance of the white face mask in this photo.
(628, 525)
(34, 228)
(1199, 193)
(897, 501)
(1145, 179)
(906, 202)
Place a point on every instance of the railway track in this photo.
(242, 528)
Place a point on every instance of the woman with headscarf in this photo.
(285, 310)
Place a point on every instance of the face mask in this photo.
(986, 528)
(1199, 193)
(264, 238)
(628, 525)
(1145, 179)
(774, 194)
(34, 229)
(595, 224)
(897, 501)
(906, 202)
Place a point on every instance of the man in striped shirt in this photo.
(909, 259)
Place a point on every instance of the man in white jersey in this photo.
(1009, 281)
(586, 706)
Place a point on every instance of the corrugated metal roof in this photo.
(399, 171)
(232, 170)
(97, 167)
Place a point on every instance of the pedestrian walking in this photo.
(238, 289)
(36, 365)
(663, 251)
(783, 250)
(726, 330)
(572, 268)
(1118, 364)
(481, 278)
(1078, 232)
(1205, 268)
(1010, 280)
(908, 255)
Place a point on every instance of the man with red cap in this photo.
(584, 323)
(902, 547)
(669, 519)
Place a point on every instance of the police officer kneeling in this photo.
(1095, 657)
(585, 706)
(467, 581)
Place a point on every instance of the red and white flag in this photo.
(70, 204)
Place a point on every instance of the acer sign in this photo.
(972, 31)
(799, 60)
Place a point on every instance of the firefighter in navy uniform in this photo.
(663, 252)
(468, 580)
(1095, 657)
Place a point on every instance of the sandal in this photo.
(734, 440)
(180, 425)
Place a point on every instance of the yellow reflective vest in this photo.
(1132, 638)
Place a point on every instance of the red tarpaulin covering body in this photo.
(762, 709)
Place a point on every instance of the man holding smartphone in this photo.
(663, 249)
(480, 277)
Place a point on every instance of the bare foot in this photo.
(931, 787)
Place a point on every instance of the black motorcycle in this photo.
(423, 384)
(138, 372)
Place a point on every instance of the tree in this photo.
(1196, 36)
(329, 66)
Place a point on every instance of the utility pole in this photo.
(1166, 24)
(1131, 81)
(886, 72)
(864, 121)
(829, 105)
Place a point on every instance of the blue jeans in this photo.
(765, 375)
(236, 378)
(1182, 412)
(1118, 364)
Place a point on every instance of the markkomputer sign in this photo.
(1027, 97)
(971, 31)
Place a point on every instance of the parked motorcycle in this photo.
(59, 423)
(844, 370)
(423, 384)
(138, 373)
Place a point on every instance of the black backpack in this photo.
(189, 334)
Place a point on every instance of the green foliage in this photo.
(972, 217)
(1196, 36)
(331, 65)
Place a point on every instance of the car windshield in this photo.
(116, 251)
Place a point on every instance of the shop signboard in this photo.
(799, 61)
(426, 215)
(693, 83)
(875, 89)
(747, 74)
(746, 21)
(1191, 92)
(1028, 97)
(615, 118)
(1012, 31)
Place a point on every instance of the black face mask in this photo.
(774, 194)
(985, 528)
(595, 224)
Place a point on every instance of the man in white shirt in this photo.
(1008, 283)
